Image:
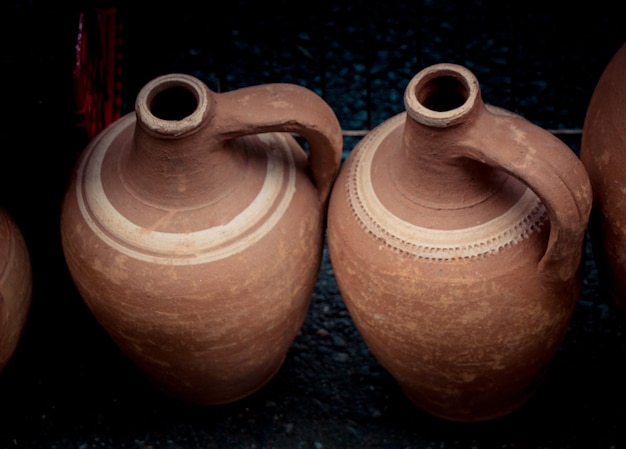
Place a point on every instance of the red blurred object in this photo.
(98, 70)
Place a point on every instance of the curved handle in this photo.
(549, 168)
(280, 107)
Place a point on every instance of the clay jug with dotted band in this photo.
(455, 232)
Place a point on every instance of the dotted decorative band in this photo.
(521, 220)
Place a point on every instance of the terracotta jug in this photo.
(603, 153)
(455, 232)
(15, 286)
(194, 228)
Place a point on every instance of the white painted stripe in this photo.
(207, 245)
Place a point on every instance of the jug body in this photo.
(603, 152)
(15, 286)
(195, 237)
(455, 232)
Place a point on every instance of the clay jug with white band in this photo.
(193, 229)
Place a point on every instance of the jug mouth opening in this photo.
(441, 95)
(173, 104)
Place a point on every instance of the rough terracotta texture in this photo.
(15, 286)
(603, 152)
(195, 235)
(456, 232)
(68, 385)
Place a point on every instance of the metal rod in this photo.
(363, 132)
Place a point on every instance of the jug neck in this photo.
(174, 156)
(443, 102)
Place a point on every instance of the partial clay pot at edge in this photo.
(15, 287)
(603, 153)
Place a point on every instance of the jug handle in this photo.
(283, 107)
(547, 166)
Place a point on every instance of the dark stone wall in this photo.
(68, 386)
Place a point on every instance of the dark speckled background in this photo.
(67, 386)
